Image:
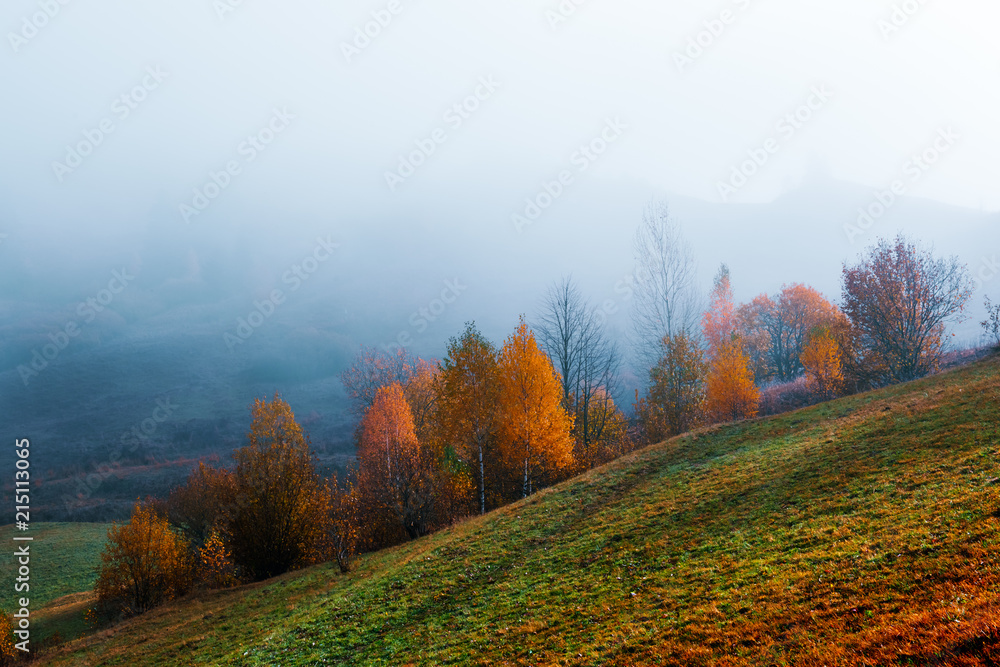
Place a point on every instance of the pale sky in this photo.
(227, 70)
(692, 90)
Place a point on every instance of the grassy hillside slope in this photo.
(64, 560)
(862, 531)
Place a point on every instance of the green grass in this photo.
(862, 531)
(64, 559)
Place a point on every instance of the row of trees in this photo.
(436, 442)
(484, 427)
(890, 327)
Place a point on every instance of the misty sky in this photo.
(310, 117)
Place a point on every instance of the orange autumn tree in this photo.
(730, 392)
(395, 478)
(534, 428)
(452, 481)
(821, 359)
(775, 331)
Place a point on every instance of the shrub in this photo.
(144, 564)
(344, 523)
(215, 563)
(991, 325)
(781, 397)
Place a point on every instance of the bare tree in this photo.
(899, 298)
(587, 359)
(560, 331)
(666, 298)
(596, 382)
(373, 369)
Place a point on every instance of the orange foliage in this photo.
(730, 392)
(612, 437)
(821, 359)
(395, 477)
(534, 429)
(199, 506)
(419, 390)
(144, 564)
(8, 652)
(775, 331)
(216, 563)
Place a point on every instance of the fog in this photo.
(398, 168)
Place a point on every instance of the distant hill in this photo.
(860, 531)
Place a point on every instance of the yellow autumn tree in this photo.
(467, 391)
(821, 359)
(277, 521)
(215, 562)
(534, 429)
